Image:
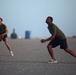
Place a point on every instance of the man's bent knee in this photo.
(67, 50)
(49, 46)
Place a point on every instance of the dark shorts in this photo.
(55, 42)
(4, 39)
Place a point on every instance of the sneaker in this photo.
(53, 61)
(11, 53)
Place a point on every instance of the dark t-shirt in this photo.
(2, 28)
(59, 34)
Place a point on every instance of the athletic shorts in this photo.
(4, 39)
(55, 42)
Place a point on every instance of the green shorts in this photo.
(55, 42)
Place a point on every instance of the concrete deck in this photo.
(31, 57)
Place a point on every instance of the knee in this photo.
(49, 47)
(6, 42)
(67, 50)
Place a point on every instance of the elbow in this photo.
(7, 32)
(53, 36)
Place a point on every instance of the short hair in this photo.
(1, 19)
(50, 18)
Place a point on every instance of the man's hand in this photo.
(43, 40)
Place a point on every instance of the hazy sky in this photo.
(31, 15)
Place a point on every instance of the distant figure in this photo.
(13, 35)
(3, 35)
(57, 38)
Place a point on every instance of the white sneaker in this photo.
(11, 53)
(53, 61)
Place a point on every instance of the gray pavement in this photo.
(31, 57)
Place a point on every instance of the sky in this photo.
(23, 15)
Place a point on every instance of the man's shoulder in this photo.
(54, 24)
(3, 25)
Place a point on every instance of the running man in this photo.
(3, 35)
(57, 38)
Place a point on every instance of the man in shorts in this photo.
(57, 38)
(3, 35)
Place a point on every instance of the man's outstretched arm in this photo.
(48, 39)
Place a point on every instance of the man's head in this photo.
(49, 20)
(1, 20)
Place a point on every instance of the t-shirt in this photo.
(59, 34)
(2, 28)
